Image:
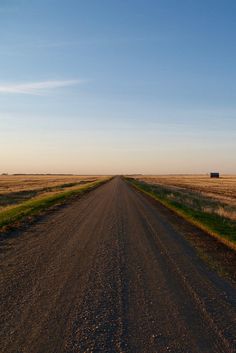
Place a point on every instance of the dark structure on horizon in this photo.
(214, 175)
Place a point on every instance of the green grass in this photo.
(218, 226)
(12, 215)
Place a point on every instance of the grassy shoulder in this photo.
(11, 216)
(217, 226)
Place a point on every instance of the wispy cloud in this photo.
(36, 88)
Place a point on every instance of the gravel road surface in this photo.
(109, 273)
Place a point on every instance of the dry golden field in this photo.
(15, 189)
(15, 183)
(223, 189)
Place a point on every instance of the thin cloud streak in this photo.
(36, 88)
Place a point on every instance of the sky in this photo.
(117, 86)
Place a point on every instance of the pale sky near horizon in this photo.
(117, 86)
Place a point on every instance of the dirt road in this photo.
(109, 273)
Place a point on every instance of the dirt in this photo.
(111, 273)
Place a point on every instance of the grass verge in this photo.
(11, 216)
(217, 226)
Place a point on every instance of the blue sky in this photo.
(117, 86)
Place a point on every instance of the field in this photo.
(17, 188)
(209, 203)
(26, 195)
(223, 188)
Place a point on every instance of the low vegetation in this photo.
(15, 189)
(223, 189)
(213, 215)
(10, 216)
